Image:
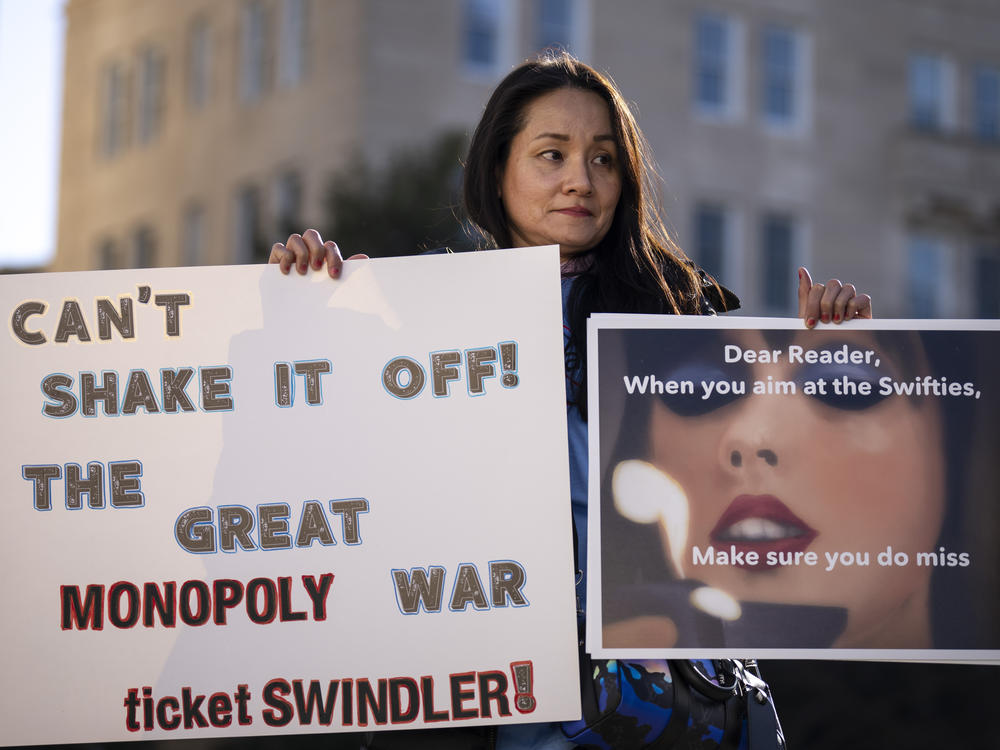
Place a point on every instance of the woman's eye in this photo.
(551, 155)
(845, 387)
(701, 388)
(605, 160)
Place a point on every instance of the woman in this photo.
(760, 477)
(557, 158)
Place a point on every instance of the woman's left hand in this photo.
(831, 302)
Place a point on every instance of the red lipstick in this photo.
(762, 524)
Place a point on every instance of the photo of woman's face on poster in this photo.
(798, 489)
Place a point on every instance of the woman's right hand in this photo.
(307, 250)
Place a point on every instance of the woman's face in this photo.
(805, 473)
(562, 180)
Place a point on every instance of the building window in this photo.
(489, 42)
(717, 56)
(253, 50)
(785, 73)
(292, 50)
(199, 64)
(288, 203)
(114, 109)
(986, 103)
(778, 95)
(711, 61)
(563, 24)
(486, 31)
(711, 238)
(248, 237)
(144, 248)
(193, 235)
(932, 97)
(777, 262)
(107, 255)
(924, 276)
(150, 114)
(482, 32)
(555, 24)
(987, 286)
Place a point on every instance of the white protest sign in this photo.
(759, 489)
(241, 503)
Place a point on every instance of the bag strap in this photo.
(703, 684)
(677, 724)
(763, 726)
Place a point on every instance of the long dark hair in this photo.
(636, 267)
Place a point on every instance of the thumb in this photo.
(805, 284)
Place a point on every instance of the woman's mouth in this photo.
(765, 525)
(575, 211)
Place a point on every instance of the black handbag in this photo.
(674, 704)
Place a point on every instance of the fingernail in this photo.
(811, 323)
(302, 267)
(335, 272)
(317, 264)
(836, 317)
(825, 318)
(800, 274)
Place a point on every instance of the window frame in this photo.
(254, 69)
(144, 246)
(937, 284)
(504, 27)
(798, 80)
(576, 31)
(720, 211)
(248, 200)
(193, 225)
(987, 130)
(115, 104)
(293, 48)
(769, 282)
(198, 64)
(932, 112)
(150, 93)
(730, 68)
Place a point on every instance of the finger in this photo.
(832, 289)
(358, 256)
(840, 304)
(811, 308)
(805, 284)
(860, 306)
(282, 256)
(334, 260)
(314, 244)
(298, 248)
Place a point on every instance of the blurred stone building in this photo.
(860, 138)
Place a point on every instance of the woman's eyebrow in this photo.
(554, 136)
(564, 137)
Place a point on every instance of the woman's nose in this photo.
(577, 178)
(754, 441)
(766, 455)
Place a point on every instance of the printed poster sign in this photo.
(765, 490)
(240, 503)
